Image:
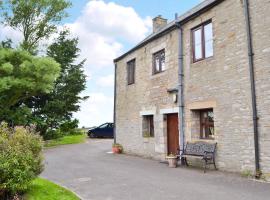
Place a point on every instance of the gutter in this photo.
(253, 88)
(114, 105)
(181, 91)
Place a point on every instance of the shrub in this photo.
(53, 134)
(70, 127)
(20, 159)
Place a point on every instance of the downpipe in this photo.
(181, 91)
(253, 88)
(114, 105)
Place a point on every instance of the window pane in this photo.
(208, 34)
(207, 124)
(156, 63)
(162, 60)
(198, 44)
(131, 72)
(209, 49)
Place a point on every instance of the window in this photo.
(202, 41)
(159, 61)
(103, 126)
(131, 72)
(148, 126)
(207, 124)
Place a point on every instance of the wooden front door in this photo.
(172, 133)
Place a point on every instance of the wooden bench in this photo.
(201, 149)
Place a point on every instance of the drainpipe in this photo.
(181, 89)
(253, 88)
(114, 105)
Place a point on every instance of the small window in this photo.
(159, 62)
(103, 126)
(131, 72)
(202, 41)
(207, 124)
(148, 126)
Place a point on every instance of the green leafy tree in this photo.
(56, 108)
(21, 77)
(36, 19)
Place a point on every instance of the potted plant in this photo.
(117, 148)
(172, 160)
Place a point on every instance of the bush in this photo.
(20, 159)
(53, 134)
(70, 127)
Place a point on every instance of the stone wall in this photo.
(223, 80)
(147, 96)
(260, 20)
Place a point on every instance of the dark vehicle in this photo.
(104, 130)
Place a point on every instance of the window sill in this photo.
(202, 60)
(148, 139)
(159, 74)
(207, 139)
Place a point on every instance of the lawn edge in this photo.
(65, 187)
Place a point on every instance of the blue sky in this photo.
(106, 29)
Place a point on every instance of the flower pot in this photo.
(116, 150)
(172, 162)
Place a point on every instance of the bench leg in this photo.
(186, 163)
(205, 164)
(214, 162)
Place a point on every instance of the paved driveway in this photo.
(91, 172)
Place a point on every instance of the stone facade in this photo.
(221, 82)
(147, 96)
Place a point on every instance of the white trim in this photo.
(147, 112)
(169, 110)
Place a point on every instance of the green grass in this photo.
(42, 189)
(70, 139)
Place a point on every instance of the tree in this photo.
(56, 108)
(21, 77)
(36, 19)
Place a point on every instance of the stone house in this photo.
(192, 79)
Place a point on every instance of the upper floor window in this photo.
(159, 61)
(131, 72)
(202, 40)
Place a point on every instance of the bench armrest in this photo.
(209, 153)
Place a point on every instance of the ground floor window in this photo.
(207, 129)
(148, 126)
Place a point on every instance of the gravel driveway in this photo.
(94, 174)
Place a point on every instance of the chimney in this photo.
(158, 23)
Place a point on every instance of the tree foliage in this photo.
(35, 19)
(56, 108)
(21, 77)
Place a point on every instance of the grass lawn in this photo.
(43, 189)
(70, 139)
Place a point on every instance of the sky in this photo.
(106, 29)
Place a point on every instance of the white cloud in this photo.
(106, 81)
(96, 110)
(9, 33)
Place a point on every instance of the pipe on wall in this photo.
(181, 121)
(253, 88)
(114, 105)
